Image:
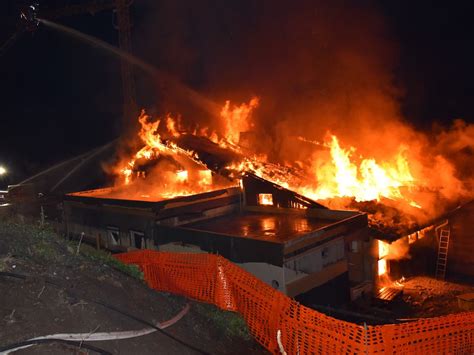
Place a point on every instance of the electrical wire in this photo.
(108, 306)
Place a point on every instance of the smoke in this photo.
(317, 67)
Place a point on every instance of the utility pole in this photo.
(123, 26)
(121, 9)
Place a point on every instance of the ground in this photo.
(65, 291)
(428, 297)
(422, 297)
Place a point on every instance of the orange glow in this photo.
(205, 177)
(236, 119)
(383, 249)
(268, 226)
(182, 176)
(334, 173)
(171, 126)
(382, 267)
(174, 171)
(367, 180)
(265, 199)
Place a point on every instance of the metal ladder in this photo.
(442, 253)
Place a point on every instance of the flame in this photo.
(366, 181)
(205, 177)
(171, 126)
(393, 251)
(265, 199)
(182, 174)
(341, 173)
(383, 249)
(236, 119)
(382, 267)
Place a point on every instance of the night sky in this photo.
(61, 97)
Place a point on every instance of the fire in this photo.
(341, 173)
(265, 199)
(171, 126)
(180, 171)
(236, 119)
(182, 176)
(382, 267)
(366, 181)
(383, 249)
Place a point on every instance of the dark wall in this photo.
(236, 249)
(461, 245)
(421, 259)
(333, 293)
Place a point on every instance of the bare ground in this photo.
(429, 297)
(65, 292)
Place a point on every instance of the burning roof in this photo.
(175, 160)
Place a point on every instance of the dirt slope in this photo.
(64, 291)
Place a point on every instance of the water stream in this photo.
(165, 79)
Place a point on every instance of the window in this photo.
(265, 199)
(355, 246)
(113, 235)
(137, 239)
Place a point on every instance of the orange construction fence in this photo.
(214, 279)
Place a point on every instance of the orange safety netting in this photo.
(214, 279)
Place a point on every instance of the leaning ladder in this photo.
(442, 253)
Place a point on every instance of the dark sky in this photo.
(61, 97)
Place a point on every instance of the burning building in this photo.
(285, 239)
(296, 225)
(439, 247)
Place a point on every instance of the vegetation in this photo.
(40, 244)
(106, 258)
(232, 324)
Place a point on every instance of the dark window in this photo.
(113, 235)
(137, 239)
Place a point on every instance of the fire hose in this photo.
(158, 328)
(91, 336)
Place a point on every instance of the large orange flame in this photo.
(366, 181)
(185, 176)
(237, 119)
(333, 171)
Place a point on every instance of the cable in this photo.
(113, 308)
(10, 274)
(77, 344)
